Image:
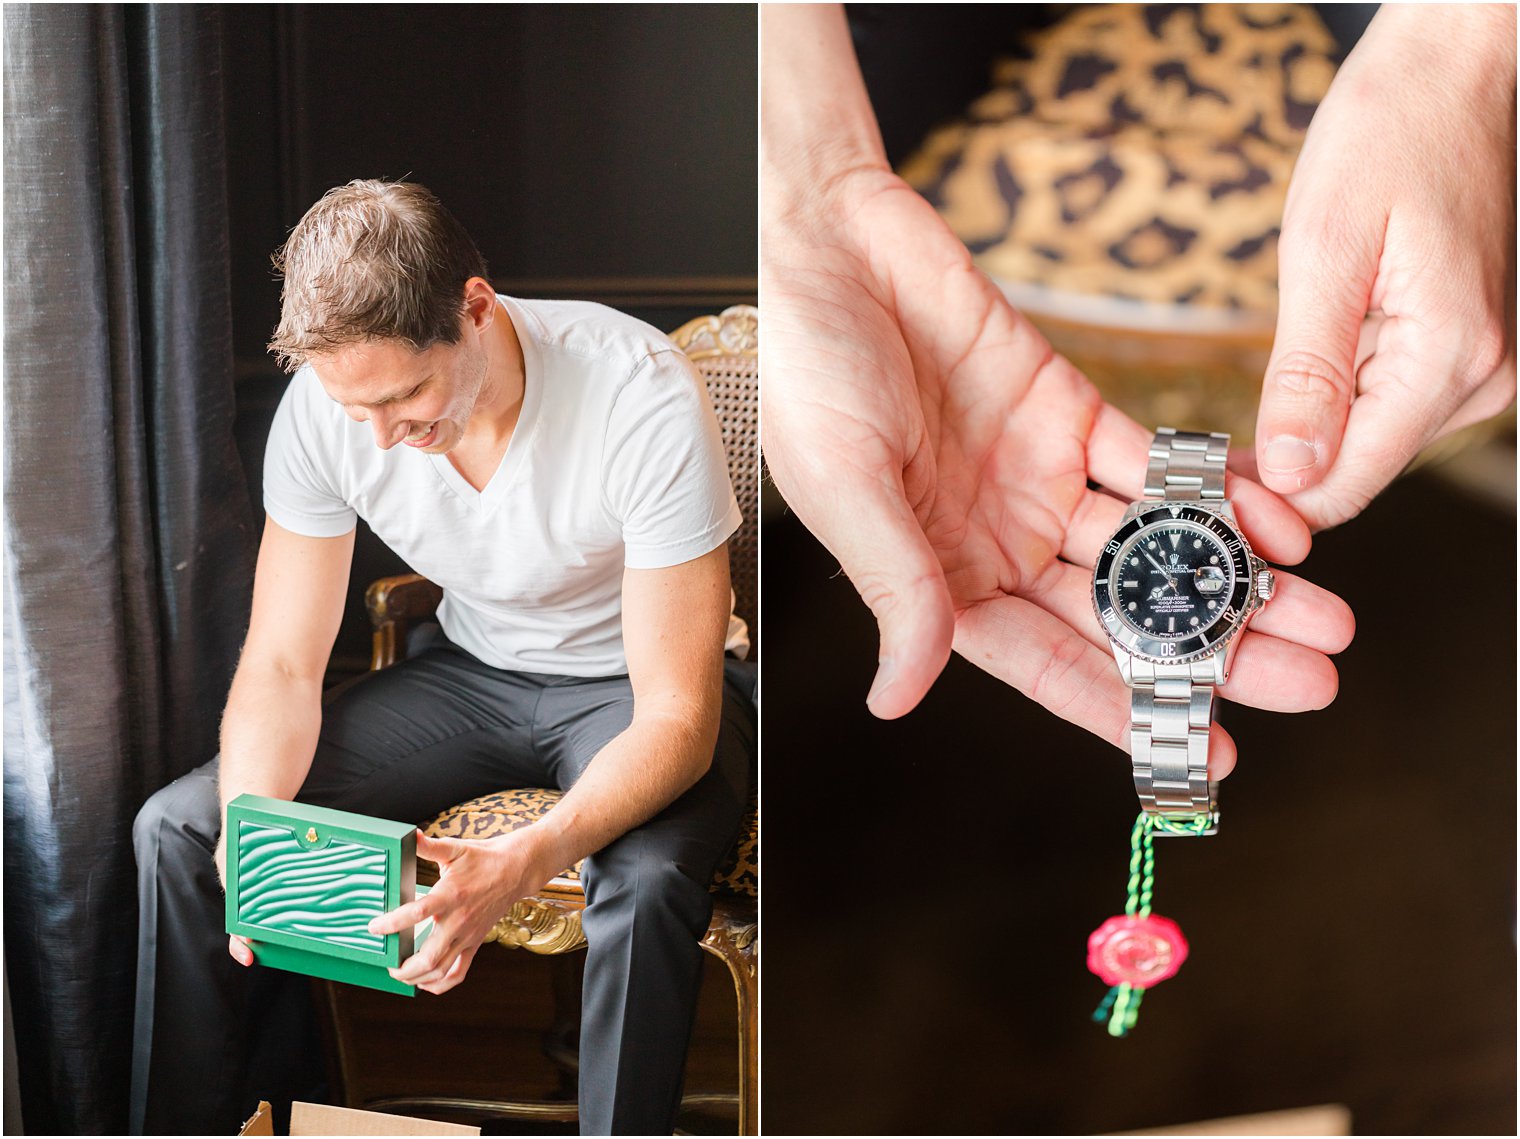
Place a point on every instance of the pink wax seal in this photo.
(1139, 952)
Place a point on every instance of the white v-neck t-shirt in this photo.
(616, 460)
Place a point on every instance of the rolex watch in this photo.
(1174, 588)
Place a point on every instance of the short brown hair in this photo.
(372, 260)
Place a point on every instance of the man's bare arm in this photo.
(674, 621)
(817, 124)
(274, 711)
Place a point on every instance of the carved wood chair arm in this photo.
(396, 605)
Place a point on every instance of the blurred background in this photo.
(1353, 924)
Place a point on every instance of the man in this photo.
(556, 468)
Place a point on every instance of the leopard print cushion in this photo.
(505, 811)
(1136, 151)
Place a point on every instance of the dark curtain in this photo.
(129, 536)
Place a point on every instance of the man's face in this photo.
(422, 399)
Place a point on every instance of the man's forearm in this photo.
(638, 774)
(816, 120)
(269, 733)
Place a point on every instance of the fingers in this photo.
(241, 949)
(1117, 455)
(430, 962)
(1280, 676)
(867, 524)
(1412, 389)
(1043, 657)
(441, 850)
(1293, 674)
(1327, 263)
(1306, 614)
(1049, 661)
(1117, 452)
(1493, 396)
(456, 973)
(888, 559)
(409, 915)
(438, 967)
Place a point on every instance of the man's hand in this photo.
(240, 948)
(964, 474)
(928, 435)
(477, 882)
(1396, 323)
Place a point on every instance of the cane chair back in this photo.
(724, 350)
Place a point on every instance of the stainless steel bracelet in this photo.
(1172, 705)
(1186, 466)
(1171, 708)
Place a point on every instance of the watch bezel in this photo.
(1162, 650)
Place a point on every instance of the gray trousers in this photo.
(405, 744)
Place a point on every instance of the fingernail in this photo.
(886, 676)
(1285, 454)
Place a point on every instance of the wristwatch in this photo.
(1174, 588)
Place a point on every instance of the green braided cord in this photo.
(1122, 1004)
(1136, 842)
(1116, 1025)
(1121, 1007)
(1126, 1008)
(1100, 1014)
(1195, 825)
(1130, 1012)
(1142, 868)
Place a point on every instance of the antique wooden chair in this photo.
(724, 349)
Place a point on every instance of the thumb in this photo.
(882, 549)
(439, 850)
(1326, 270)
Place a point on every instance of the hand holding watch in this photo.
(1174, 588)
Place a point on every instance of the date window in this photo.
(1210, 581)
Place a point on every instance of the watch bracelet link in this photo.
(1186, 466)
(1172, 705)
(1171, 709)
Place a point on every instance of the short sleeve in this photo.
(298, 493)
(665, 474)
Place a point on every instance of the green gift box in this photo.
(303, 883)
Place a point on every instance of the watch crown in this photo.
(1266, 584)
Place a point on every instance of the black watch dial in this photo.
(1171, 580)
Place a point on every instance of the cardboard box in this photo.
(304, 882)
(320, 1119)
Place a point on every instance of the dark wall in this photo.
(601, 152)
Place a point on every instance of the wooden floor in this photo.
(930, 883)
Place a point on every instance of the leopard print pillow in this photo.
(1140, 152)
